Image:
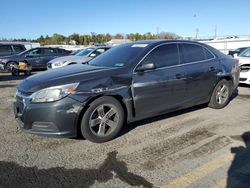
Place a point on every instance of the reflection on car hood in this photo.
(71, 58)
(60, 76)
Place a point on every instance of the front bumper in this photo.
(245, 77)
(56, 119)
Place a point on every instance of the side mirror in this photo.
(148, 66)
(92, 55)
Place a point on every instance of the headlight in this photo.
(54, 93)
(59, 63)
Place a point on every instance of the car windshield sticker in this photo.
(139, 45)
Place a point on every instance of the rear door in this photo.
(48, 54)
(202, 68)
(156, 91)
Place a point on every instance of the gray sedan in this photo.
(84, 56)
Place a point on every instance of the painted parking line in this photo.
(200, 172)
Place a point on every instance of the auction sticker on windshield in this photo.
(139, 45)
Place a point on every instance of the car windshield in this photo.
(119, 56)
(85, 52)
(75, 52)
(245, 53)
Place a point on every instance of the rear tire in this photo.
(103, 120)
(221, 95)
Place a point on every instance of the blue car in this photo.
(36, 57)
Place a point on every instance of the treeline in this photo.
(101, 38)
(78, 39)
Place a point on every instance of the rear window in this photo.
(5, 50)
(194, 53)
(49, 51)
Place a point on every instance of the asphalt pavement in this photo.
(196, 147)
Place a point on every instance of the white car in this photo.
(84, 56)
(244, 62)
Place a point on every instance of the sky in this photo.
(32, 18)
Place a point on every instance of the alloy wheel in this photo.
(104, 120)
(222, 94)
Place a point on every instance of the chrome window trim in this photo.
(193, 62)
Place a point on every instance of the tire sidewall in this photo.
(85, 128)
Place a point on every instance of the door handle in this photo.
(179, 76)
(211, 69)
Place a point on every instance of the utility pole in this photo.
(215, 32)
(157, 30)
(196, 33)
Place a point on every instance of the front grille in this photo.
(244, 68)
(22, 99)
(243, 79)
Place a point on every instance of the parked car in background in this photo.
(84, 56)
(244, 62)
(7, 49)
(237, 51)
(36, 57)
(127, 83)
(74, 52)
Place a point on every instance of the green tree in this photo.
(57, 39)
(75, 37)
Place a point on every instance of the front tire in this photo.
(221, 95)
(103, 120)
(9, 66)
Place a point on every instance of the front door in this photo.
(34, 57)
(163, 88)
(48, 54)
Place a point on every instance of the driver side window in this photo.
(163, 56)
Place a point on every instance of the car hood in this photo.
(243, 60)
(71, 58)
(61, 76)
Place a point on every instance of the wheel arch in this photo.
(229, 78)
(11, 61)
(117, 97)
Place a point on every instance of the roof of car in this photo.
(11, 43)
(158, 41)
(43, 47)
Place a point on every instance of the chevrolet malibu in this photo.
(130, 82)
